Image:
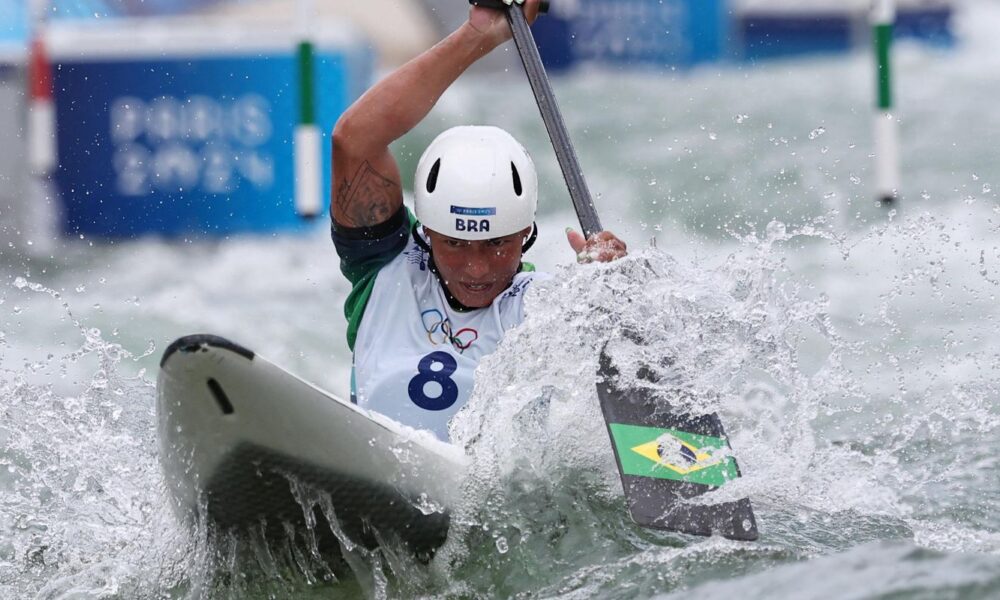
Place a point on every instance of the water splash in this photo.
(827, 457)
(858, 401)
(81, 510)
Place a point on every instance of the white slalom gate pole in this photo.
(308, 163)
(41, 129)
(887, 179)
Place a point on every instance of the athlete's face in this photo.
(476, 272)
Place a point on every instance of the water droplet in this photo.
(855, 179)
(740, 118)
(713, 136)
(99, 381)
(775, 229)
(81, 289)
(20, 283)
(986, 188)
(815, 133)
(502, 546)
(652, 182)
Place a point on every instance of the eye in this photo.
(496, 243)
(455, 243)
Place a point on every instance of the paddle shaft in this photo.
(579, 193)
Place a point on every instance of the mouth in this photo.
(477, 288)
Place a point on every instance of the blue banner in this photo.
(678, 32)
(180, 146)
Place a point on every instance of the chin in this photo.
(477, 301)
(474, 300)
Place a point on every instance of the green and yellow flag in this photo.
(673, 454)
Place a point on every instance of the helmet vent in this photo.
(432, 177)
(517, 179)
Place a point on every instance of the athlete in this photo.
(434, 293)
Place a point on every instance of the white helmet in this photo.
(476, 183)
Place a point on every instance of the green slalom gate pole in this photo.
(886, 127)
(308, 163)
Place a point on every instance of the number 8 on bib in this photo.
(442, 376)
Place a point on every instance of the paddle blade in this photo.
(666, 457)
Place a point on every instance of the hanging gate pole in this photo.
(886, 127)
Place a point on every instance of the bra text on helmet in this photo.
(472, 225)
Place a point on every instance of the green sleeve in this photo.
(360, 262)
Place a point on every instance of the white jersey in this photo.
(415, 356)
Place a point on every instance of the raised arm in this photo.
(366, 182)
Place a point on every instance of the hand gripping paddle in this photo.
(665, 457)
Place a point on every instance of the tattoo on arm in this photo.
(369, 198)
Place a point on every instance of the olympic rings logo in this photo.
(439, 331)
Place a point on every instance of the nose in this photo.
(476, 266)
(477, 261)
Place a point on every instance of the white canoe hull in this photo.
(236, 430)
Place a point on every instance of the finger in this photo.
(576, 240)
(607, 249)
(608, 255)
(606, 237)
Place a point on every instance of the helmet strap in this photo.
(528, 243)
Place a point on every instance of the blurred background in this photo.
(165, 115)
(152, 186)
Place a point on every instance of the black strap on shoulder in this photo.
(373, 232)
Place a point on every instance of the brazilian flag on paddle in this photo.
(673, 454)
(667, 457)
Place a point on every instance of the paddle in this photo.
(664, 456)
